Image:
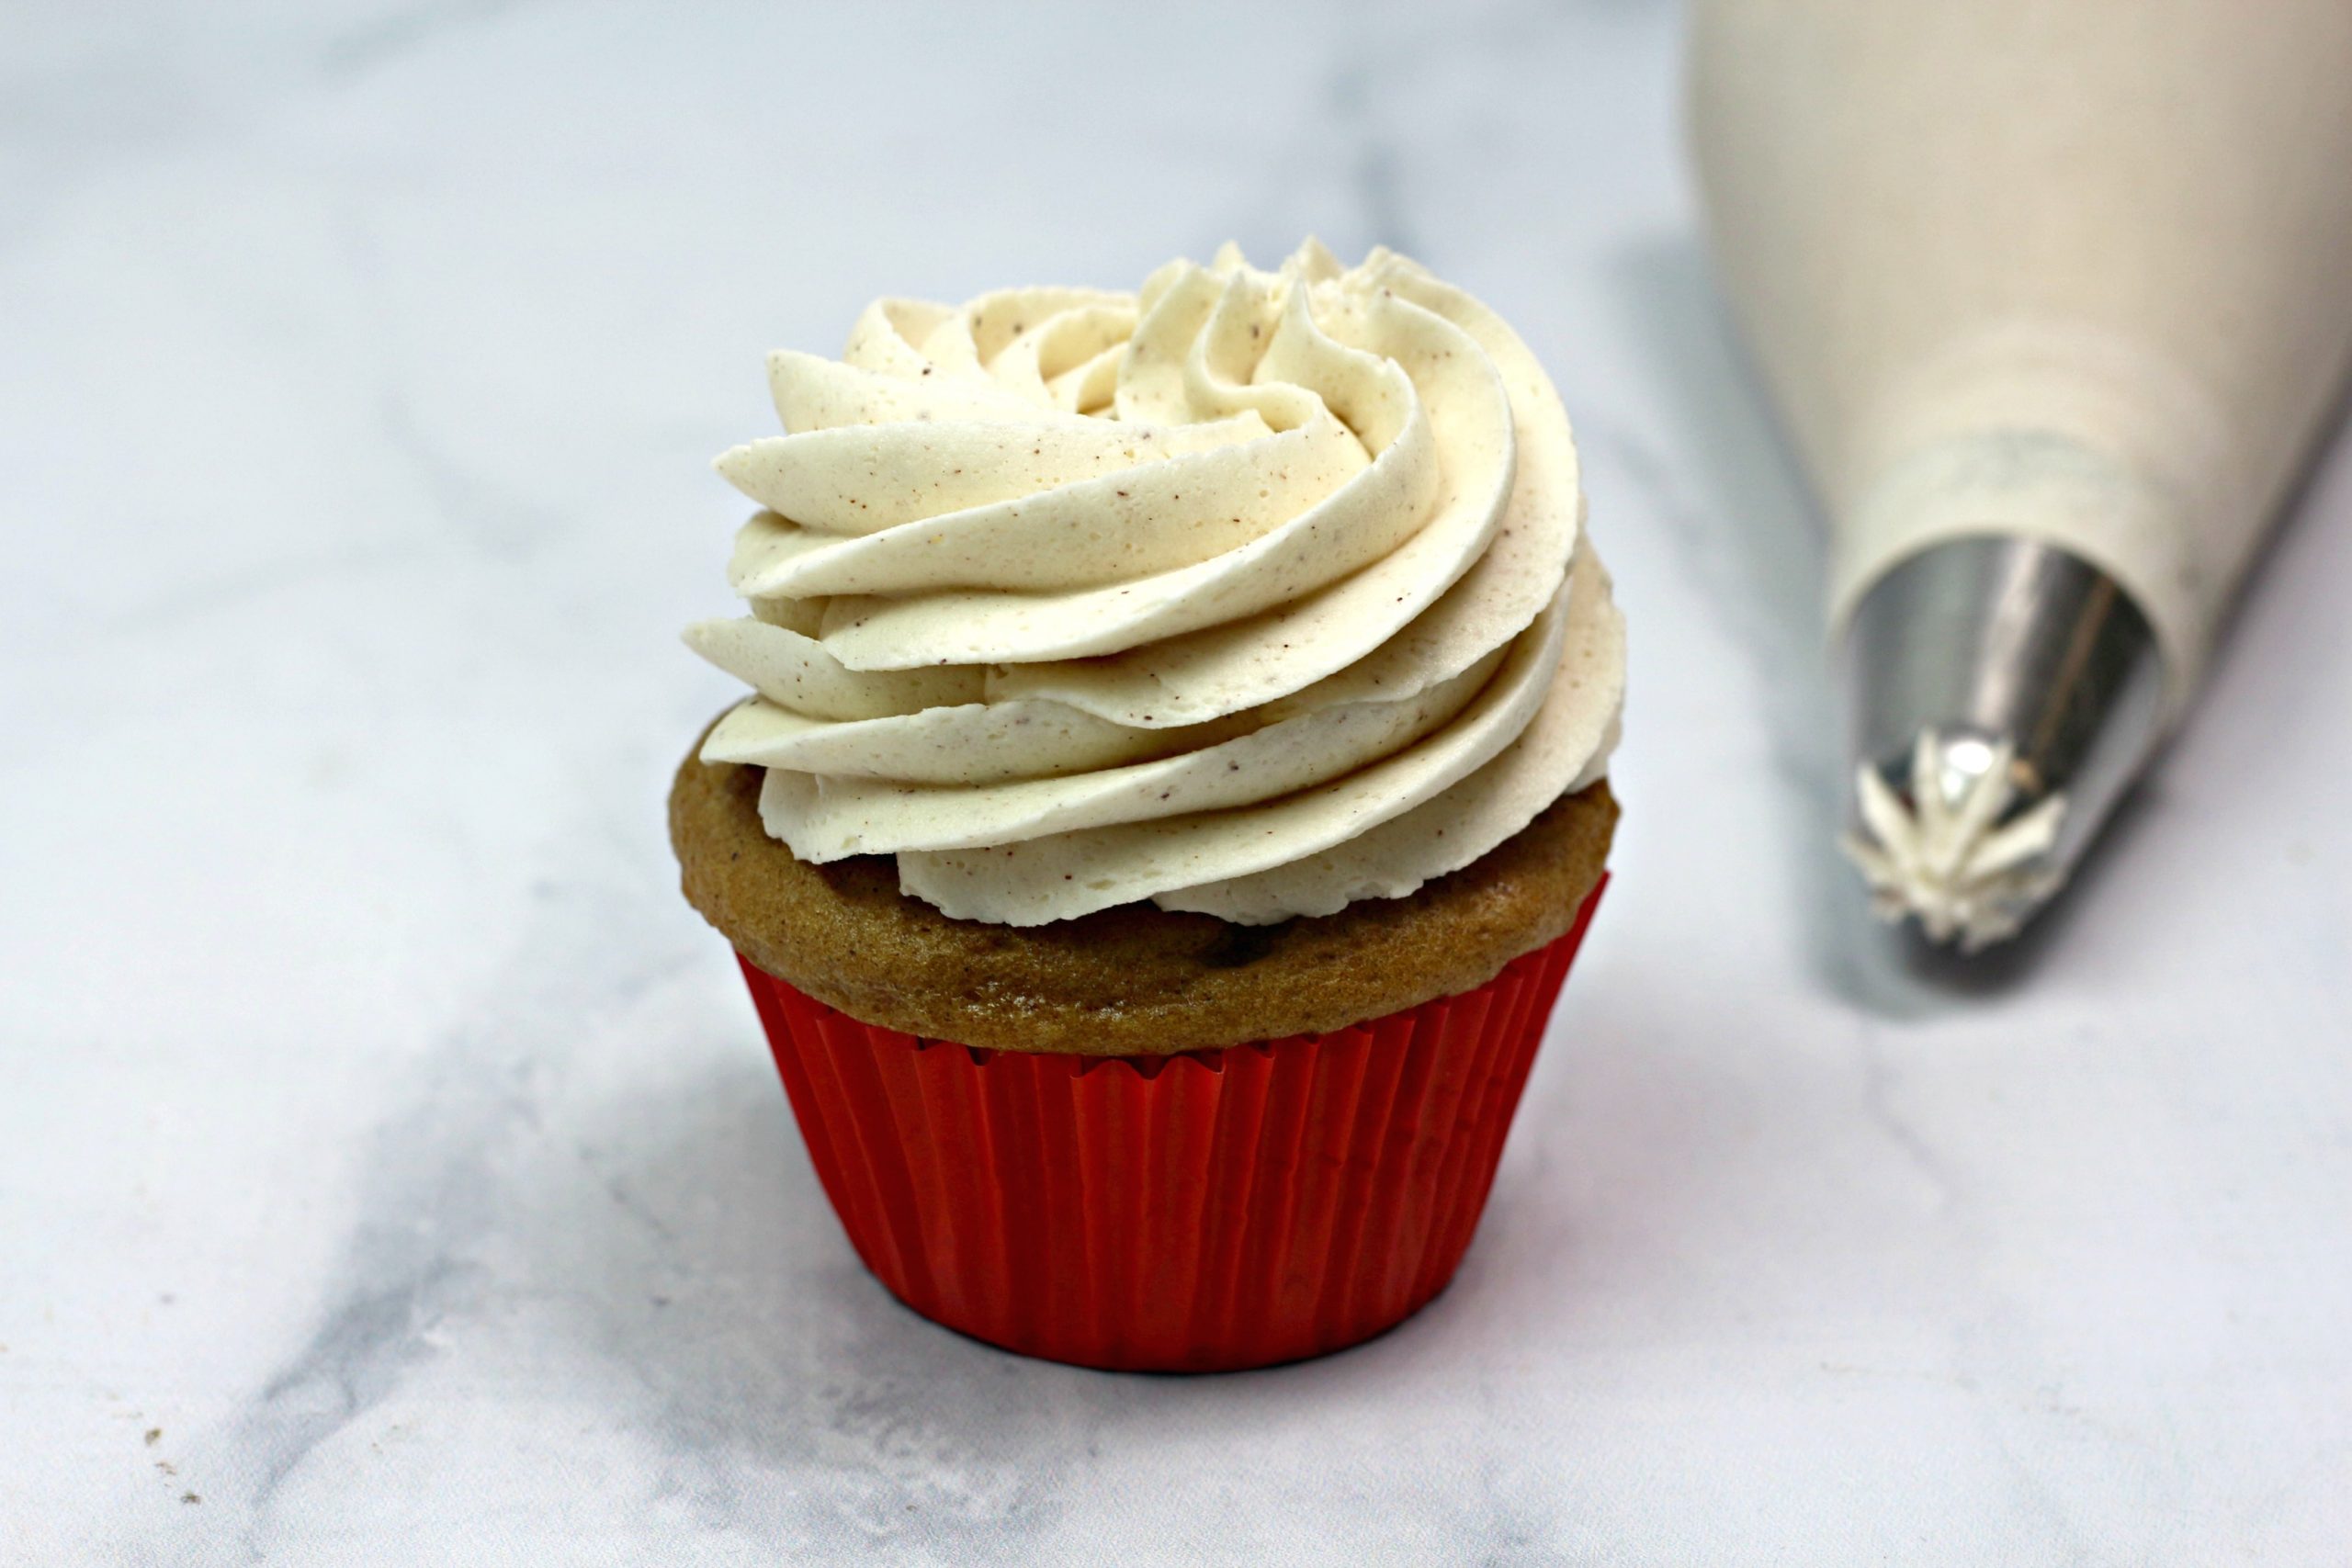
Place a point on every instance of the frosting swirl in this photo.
(1250, 594)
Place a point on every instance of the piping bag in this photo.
(2054, 298)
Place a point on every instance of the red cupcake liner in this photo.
(1206, 1211)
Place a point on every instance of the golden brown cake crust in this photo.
(1133, 980)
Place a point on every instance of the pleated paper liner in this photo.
(1207, 1211)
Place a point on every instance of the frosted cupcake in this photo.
(1171, 797)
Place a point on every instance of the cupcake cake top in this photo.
(1252, 593)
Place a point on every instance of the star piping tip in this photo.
(1954, 850)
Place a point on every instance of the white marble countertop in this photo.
(390, 1167)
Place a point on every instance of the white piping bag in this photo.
(2055, 297)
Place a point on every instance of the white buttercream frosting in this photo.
(1253, 592)
(1956, 857)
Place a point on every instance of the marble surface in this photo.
(390, 1170)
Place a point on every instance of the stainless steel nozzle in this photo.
(2003, 695)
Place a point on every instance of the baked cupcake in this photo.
(1172, 795)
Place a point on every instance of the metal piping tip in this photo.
(1955, 854)
(2004, 695)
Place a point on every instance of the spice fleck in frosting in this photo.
(1253, 595)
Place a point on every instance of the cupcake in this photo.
(1171, 798)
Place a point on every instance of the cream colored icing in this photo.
(1253, 592)
(1944, 859)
